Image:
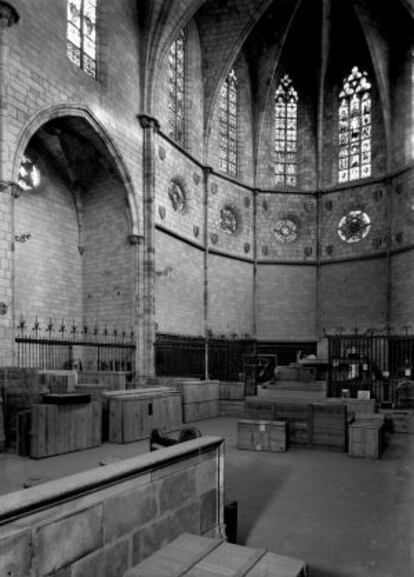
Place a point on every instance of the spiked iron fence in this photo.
(74, 346)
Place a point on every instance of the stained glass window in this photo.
(176, 88)
(228, 124)
(29, 174)
(81, 34)
(355, 127)
(285, 133)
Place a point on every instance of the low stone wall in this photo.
(103, 521)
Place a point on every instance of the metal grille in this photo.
(373, 363)
(74, 347)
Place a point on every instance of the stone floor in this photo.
(346, 517)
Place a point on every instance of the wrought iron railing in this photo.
(62, 346)
(369, 362)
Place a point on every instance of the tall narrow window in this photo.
(176, 88)
(81, 34)
(285, 133)
(228, 124)
(355, 127)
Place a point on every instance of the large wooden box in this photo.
(195, 556)
(261, 435)
(365, 439)
(329, 426)
(231, 391)
(57, 429)
(299, 420)
(200, 399)
(133, 416)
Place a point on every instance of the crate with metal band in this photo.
(196, 556)
(261, 435)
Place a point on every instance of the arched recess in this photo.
(80, 111)
(73, 258)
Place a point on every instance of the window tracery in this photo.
(176, 88)
(228, 124)
(81, 34)
(285, 133)
(355, 127)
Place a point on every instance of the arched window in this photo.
(228, 124)
(355, 127)
(285, 133)
(81, 34)
(176, 88)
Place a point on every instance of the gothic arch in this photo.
(79, 111)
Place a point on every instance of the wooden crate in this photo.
(200, 411)
(194, 555)
(261, 435)
(59, 381)
(329, 426)
(231, 391)
(231, 409)
(115, 381)
(299, 420)
(199, 391)
(57, 429)
(133, 416)
(258, 409)
(366, 439)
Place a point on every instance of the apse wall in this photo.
(47, 265)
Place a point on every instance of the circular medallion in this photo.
(286, 230)
(229, 221)
(29, 174)
(354, 226)
(177, 196)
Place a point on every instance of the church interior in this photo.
(207, 288)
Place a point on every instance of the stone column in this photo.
(8, 190)
(146, 319)
(207, 170)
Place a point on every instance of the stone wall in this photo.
(103, 521)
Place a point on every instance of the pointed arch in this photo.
(80, 111)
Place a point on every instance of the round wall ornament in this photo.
(354, 226)
(286, 230)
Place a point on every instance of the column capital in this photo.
(147, 121)
(8, 15)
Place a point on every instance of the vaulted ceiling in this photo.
(260, 29)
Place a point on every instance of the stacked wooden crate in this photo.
(200, 399)
(63, 428)
(134, 413)
(231, 402)
(315, 425)
(262, 435)
(203, 557)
